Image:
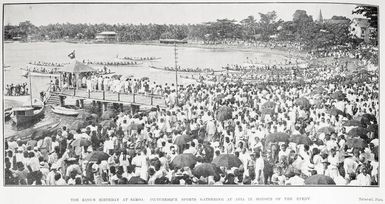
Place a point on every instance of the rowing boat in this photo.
(183, 71)
(64, 111)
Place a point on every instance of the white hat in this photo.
(95, 167)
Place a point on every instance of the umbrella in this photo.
(267, 111)
(319, 179)
(334, 111)
(318, 90)
(338, 95)
(367, 118)
(134, 126)
(180, 140)
(358, 132)
(77, 67)
(227, 160)
(352, 123)
(78, 124)
(303, 102)
(205, 170)
(108, 123)
(184, 160)
(224, 113)
(95, 116)
(373, 128)
(327, 130)
(268, 108)
(116, 76)
(81, 142)
(97, 156)
(356, 142)
(40, 134)
(84, 116)
(277, 137)
(107, 115)
(268, 105)
(300, 139)
(136, 180)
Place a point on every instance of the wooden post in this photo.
(121, 107)
(100, 108)
(118, 96)
(81, 103)
(104, 95)
(89, 93)
(62, 100)
(152, 98)
(133, 98)
(77, 103)
(105, 105)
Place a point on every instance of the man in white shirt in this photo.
(259, 166)
(364, 178)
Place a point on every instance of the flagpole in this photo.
(30, 87)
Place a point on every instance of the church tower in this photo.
(320, 18)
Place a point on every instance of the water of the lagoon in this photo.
(17, 55)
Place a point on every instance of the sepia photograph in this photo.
(217, 94)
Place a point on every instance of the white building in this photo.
(360, 28)
(106, 36)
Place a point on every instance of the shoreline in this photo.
(281, 51)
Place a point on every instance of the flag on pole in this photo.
(72, 55)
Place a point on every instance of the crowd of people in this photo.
(45, 70)
(320, 131)
(16, 89)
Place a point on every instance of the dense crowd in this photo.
(44, 70)
(319, 131)
(16, 89)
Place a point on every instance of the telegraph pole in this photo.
(176, 71)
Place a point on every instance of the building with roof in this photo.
(360, 27)
(106, 36)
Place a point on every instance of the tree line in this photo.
(302, 29)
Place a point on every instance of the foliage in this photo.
(302, 29)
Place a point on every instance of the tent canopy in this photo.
(77, 67)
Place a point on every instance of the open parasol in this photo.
(97, 156)
(227, 160)
(205, 170)
(319, 179)
(277, 137)
(356, 142)
(300, 139)
(184, 160)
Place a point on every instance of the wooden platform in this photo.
(110, 97)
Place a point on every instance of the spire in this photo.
(320, 18)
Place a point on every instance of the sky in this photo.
(44, 14)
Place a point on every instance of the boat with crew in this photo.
(25, 135)
(140, 58)
(185, 70)
(65, 110)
